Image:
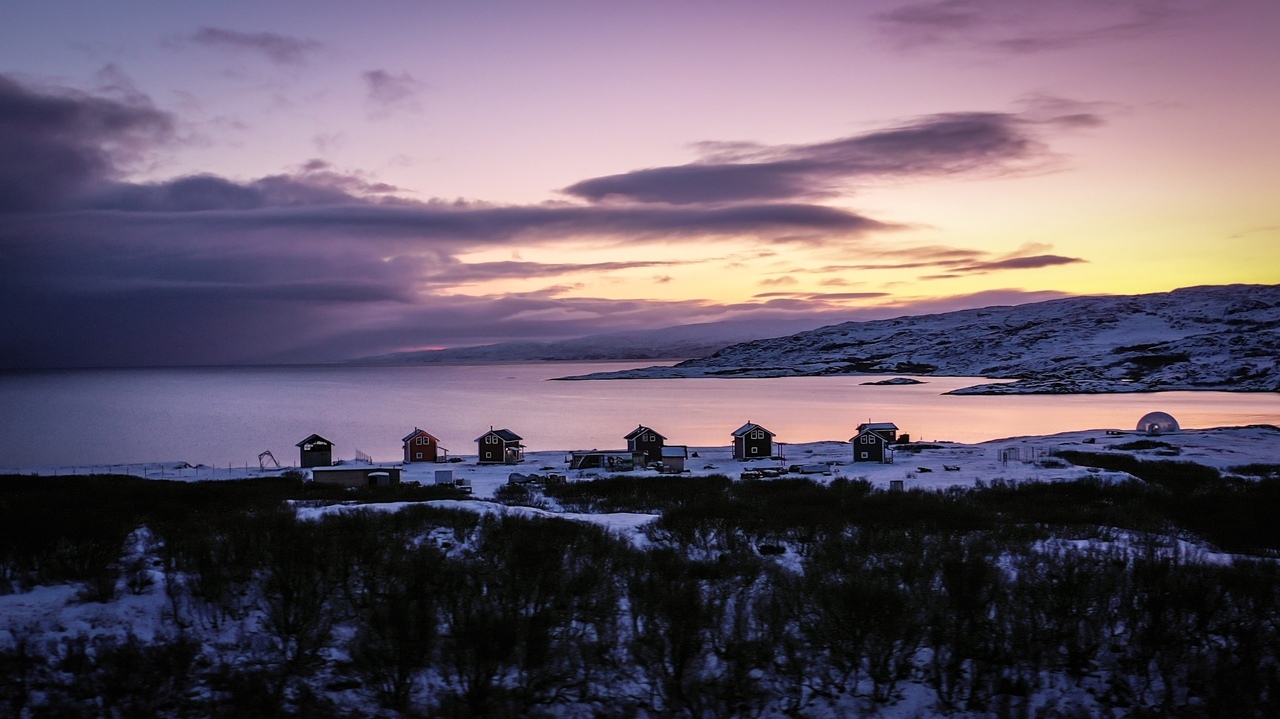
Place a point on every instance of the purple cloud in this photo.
(1018, 27)
(387, 91)
(1019, 263)
(57, 143)
(957, 262)
(280, 49)
(944, 144)
(316, 263)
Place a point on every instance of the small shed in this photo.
(871, 443)
(421, 446)
(358, 475)
(673, 457)
(499, 446)
(646, 441)
(611, 460)
(751, 441)
(315, 451)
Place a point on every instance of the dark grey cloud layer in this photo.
(280, 49)
(57, 143)
(319, 264)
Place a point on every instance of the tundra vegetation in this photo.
(745, 599)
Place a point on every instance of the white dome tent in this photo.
(1157, 423)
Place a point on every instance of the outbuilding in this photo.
(315, 451)
(499, 446)
(751, 441)
(673, 457)
(1158, 423)
(610, 460)
(369, 475)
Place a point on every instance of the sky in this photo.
(240, 183)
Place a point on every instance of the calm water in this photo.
(229, 415)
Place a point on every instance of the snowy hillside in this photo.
(1219, 338)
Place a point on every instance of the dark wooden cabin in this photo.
(421, 446)
(871, 443)
(751, 441)
(355, 476)
(644, 440)
(315, 451)
(499, 446)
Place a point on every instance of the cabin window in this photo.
(868, 439)
(864, 455)
(648, 438)
(757, 434)
(417, 455)
(491, 440)
(755, 450)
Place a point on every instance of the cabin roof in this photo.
(600, 452)
(877, 426)
(641, 429)
(505, 435)
(871, 432)
(748, 427)
(417, 432)
(675, 450)
(313, 439)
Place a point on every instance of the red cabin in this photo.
(421, 446)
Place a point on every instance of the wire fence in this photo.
(154, 470)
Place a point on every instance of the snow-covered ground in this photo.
(49, 614)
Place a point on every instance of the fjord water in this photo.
(229, 415)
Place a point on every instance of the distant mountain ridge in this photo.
(681, 342)
(1196, 338)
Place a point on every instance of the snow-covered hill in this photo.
(1196, 338)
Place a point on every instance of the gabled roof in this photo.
(314, 439)
(876, 429)
(871, 432)
(417, 432)
(505, 435)
(641, 429)
(748, 427)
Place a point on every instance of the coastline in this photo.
(993, 385)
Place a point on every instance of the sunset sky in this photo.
(236, 182)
